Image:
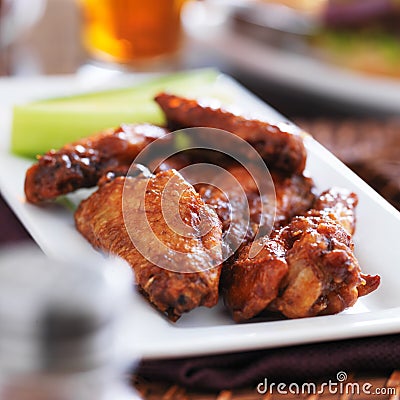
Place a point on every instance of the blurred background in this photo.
(291, 53)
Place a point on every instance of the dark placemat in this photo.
(387, 385)
(379, 355)
(11, 230)
(371, 148)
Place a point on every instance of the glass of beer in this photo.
(132, 32)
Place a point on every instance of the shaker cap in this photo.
(59, 316)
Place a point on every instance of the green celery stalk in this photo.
(48, 124)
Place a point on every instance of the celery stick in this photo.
(49, 124)
(37, 130)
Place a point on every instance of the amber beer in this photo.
(131, 31)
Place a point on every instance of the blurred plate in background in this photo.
(211, 25)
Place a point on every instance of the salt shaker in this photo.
(59, 327)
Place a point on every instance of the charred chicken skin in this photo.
(81, 164)
(307, 268)
(278, 146)
(339, 205)
(293, 196)
(193, 277)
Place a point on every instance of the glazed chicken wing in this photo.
(338, 204)
(293, 196)
(83, 163)
(323, 274)
(307, 268)
(176, 261)
(280, 146)
(249, 284)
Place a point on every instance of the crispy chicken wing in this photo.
(250, 284)
(306, 268)
(293, 196)
(340, 205)
(278, 145)
(176, 268)
(83, 163)
(323, 273)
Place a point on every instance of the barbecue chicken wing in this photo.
(248, 285)
(280, 147)
(83, 163)
(338, 204)
(293, 196)
(307, 268)
(109, 222)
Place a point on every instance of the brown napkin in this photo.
(304, 363)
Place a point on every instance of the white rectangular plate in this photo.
(206, 331)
